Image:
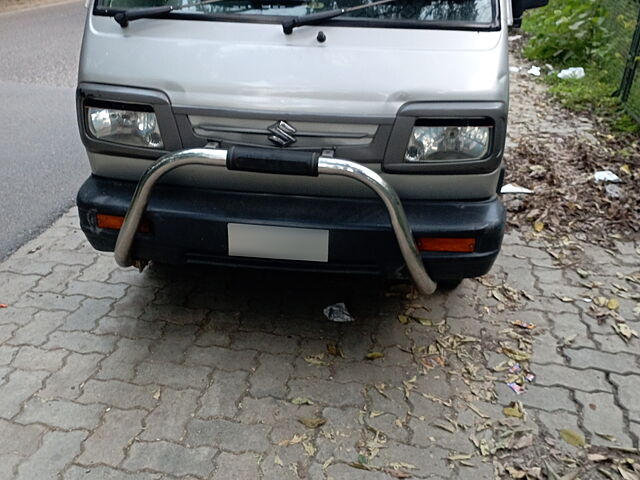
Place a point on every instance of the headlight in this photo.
(126, 127)
(432, 143)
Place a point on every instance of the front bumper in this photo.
(189, 225)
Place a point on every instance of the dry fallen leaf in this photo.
(455, 458)
(156, 394)
(403, 319)
(334, 350)
(538, 226)
(572, 438)
(374, 355)
(309, 449)
(613, 304)
(316, 360)
(515, 410)
(301, 401)
(312, 422)
(278, 461)
(607, 437)
(624, 331)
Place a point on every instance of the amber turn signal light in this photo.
(459, 245)
(114, 222)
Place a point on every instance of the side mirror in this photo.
(518, 8)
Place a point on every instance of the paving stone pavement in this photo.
(193, 374)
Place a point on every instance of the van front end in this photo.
(371, 142)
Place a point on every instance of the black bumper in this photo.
(189, 225)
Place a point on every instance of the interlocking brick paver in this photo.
(612, 343)
(13, 286)
(173, 344)
(233, 436)
(118, 394)
(16, 316)
(34, 358)
(172, 375)
(236, 467)
(602, 415)
(50, 301)
(81, 342)
(629, 393)
(220, 357)
(129, 327)
(61, 414)
(121, 363)
(271, 376)
(96, 289)
(57, 280)
(549, 399)
(100, 270)
(8, 464)
(66, 382)
(37, 330)
(58, 448)
(7, 354)
(87, 316)
(17, 388)
(108, 442)
(327, 392)
(264, 342)
(19, 439)
(105, 473)
(619, 362)
(133, 304)
(588, 380)
(171, 458)
(556, 421)
(222, 397)
(169, 419)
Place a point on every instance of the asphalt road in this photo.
(42, 161)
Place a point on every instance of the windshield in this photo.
(476, 12)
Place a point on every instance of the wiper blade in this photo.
(123, 18)
(316, 18)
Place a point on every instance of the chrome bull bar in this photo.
(278, 162)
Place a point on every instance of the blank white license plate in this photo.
(282, 243)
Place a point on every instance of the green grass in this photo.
(596, 35)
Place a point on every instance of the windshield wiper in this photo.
(123, 18)
(316, 18)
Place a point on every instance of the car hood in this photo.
(255, 67)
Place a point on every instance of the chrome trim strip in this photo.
(326, 166)
(260, 131)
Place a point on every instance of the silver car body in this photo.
(236, 79)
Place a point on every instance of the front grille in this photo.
(265, 132)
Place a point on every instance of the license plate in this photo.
(280, 243)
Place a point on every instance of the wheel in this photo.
(447, 285)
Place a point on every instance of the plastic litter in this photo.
(514, 69)
(515, 368)
(513, 188)
(606, 176)
(613, 191)
(530, 377)
(521, 324)
(575, 73)
(513, 38)
(535, 71)
(518, 389)
(4, 305)
(338, 313)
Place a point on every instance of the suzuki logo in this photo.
(282, 134)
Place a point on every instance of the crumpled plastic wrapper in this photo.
(338, 313)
